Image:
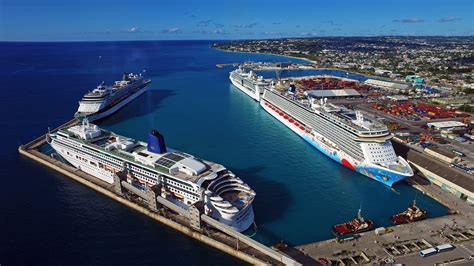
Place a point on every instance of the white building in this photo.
(446, 125)
(386, 84)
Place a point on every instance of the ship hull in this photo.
(379, 174)
(241, 224)
(102, 114)
(103, 166)
(402, 219)
(255, 96)
(346, 229)
(69, 156)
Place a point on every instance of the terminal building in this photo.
(386, 85)
(441, 154)
(439, 173)
(447, 125)
(453, 100)
(398, 98)
(331, 94)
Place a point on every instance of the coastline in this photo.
(312, 62)
(288, 56)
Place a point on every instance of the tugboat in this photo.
(411, 214)
(280, 246)
(357, 225)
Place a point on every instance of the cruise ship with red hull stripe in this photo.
(347, 137)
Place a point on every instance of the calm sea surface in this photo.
(46, 218)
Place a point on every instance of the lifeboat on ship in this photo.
(177, 195)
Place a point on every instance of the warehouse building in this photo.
(440, 154)
(340, 93)
(386, 85)
(447, 125)
(449, 179)
(438, 173)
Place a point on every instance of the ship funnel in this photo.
(292, 88)
(85, 122)
(125, 76)
(359, 116)
(156, 142)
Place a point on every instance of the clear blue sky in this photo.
(56, 20)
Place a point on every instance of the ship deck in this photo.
(337, 114)
(217, 235)
(108, 137)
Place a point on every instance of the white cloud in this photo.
(220, 31)
(172, 30)
(133, 29)
(409, 20)
(449, 19)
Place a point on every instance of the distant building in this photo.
(382, 72)
(284, 64)
(451, 100)
(366, 67)
(398, 98)
(425, 89)
(414, 79)
(446, 125)
(341, 93)
(386, 84)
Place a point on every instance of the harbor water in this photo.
(49, 219)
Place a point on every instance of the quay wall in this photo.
(45, 160)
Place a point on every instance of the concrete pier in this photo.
(188, 222)
(402, 243)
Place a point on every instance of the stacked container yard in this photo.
(416, 110)
(322, 83)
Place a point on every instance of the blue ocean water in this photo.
(49, 219)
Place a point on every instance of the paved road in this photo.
(416, 259)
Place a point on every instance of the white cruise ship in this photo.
(183, 178)
(343, 135)
(105, 100)
(248, 82)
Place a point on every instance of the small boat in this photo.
(411, 214)
(280, 246)
(357, 225)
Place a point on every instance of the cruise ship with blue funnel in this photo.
(178, 177)
(344, 135)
